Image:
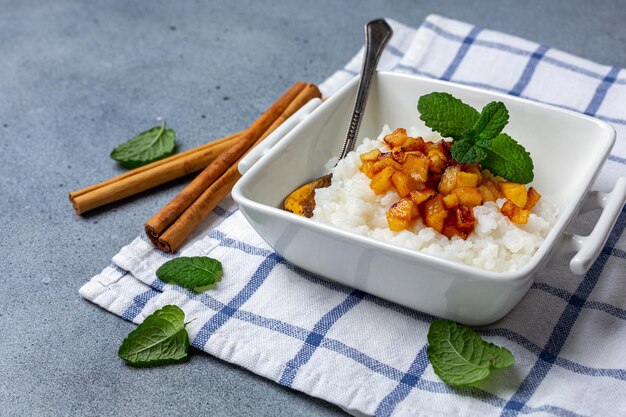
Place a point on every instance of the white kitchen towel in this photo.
(368, 355)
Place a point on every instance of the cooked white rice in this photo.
(496, 244)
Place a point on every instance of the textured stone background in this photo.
(77, 78)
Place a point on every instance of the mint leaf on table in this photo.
(195, 273)
(146, 147)
(446, 114)
(460, 357)
(509, 159)
(160, 339)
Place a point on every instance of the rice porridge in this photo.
(496, 243)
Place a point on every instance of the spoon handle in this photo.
(377, 34)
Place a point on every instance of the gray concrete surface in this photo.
(77, 78)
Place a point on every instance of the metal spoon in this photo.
(377, 34)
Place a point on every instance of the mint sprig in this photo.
(477, 137)
(446, 114)
(160, 339)
(460, 357)
(196, 273)
(146, 147)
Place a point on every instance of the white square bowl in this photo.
(568, 150)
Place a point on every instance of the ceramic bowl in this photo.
(568, 150)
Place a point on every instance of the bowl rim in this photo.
(606, 132)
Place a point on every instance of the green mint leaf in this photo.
(196, 273)
(460, 357)
(483, 141)
(465, 151)
(146, 147)
(160, 339)
(509, 159)
(446, 114)
(492, 120)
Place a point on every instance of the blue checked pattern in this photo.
(368, 355)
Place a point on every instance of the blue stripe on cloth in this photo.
(601, 91)
(489, 398)
(316, 336)
(592, 305)
(223, 213)
(528, 71)
(406, 384)
(119, 269)
(506, 333)
(139, 302)
(361, 358)
(239, 245)
(557, 339)
(518, 51)
(254, 250)
(394, 51)
(486, 86)
(617, 159)
(489, 44)
(615, 252)
(458, 58)
(222, 316)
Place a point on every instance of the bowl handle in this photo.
(589, 247)
(272, 139)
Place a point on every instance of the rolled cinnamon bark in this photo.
(169, 228)
(149, 176)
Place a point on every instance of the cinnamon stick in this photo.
(168, 214)
(149, 176)
(168, 232)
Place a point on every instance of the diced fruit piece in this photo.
(465, 217)
(492, 187)
(370, 155)
(448, 180)
(398, 155)
(451, 201)
(466, 179)
(419, 197)
(438, 161)
(386, 161)
(401, 214)
(416, 167)
(402, 182)
(381, 182)
(435, 213)
(514, 192)
(513, 212)
(396, 138)
(460, 222)
(533, 197)
(475, 169)
(486, 193)
(436, 146)
(367, 168)
(413, 144)
(468, 196)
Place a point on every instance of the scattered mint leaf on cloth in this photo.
(195, 273)
(160, 339)
(149, 146)
(446, 114)
(460, 357)
(477, 137)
